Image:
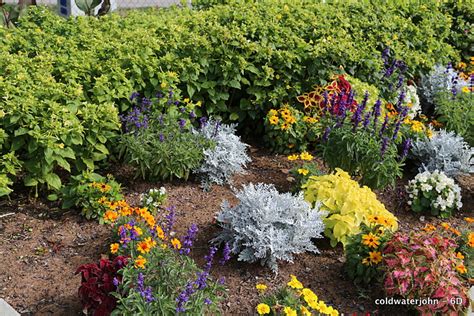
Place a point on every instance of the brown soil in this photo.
(41, 247)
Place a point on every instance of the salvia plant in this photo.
(158, 140)
(435, 192)
(226, 158)
(444, 151)
(268, 226)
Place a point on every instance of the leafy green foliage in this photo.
(87, 6)
(91, 193)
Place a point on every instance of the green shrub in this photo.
(92, 193)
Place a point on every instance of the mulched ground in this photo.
(42, 246)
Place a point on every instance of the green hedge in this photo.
(59, 78)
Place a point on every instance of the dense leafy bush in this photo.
(92, 193)
(269, 226)
(348, 205)
(423, 264)
(364, 251)
(444, 151)
(291, 299)
(226, 158)
(435, 192)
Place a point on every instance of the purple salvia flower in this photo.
(182, 123)
(183, 297)
(401, 117)
(326, 134)
(170, 220)
(209, 258)
(216, 130)
(182, 109)
(207, 301)
(192, 115)
(225, 254)
(162, 138)
(376, 113)
(325, 101)
(176, 103)
(159, 95)
(115, 282)
(134, 96)
(384, 125)
(221, 280)
(146, 102)
(389, 71)
(385, 55)
(201, 281)
(366, 120)
(400, 81)
(189, 239)
(401, 98)
(203, 121)
(384, 146)
(406, 148)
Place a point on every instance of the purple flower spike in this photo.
(207, 301)
(182, 123)
(189, 239)
(134, 96)
(384, 125)
(406, 147)
(225, 254)
(326, 134)
(170, 220)
(384, 146)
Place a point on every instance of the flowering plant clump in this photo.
(424, 264)
(227, 158)
(348, 205)
(160, 278)
(301, 173)
(364, 251)
(267, 226)
(89, 191)
(289, 129)
(291, 300)
(434, 191)
(98, 283)
(153, 199)
(158, 137)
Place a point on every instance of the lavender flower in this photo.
(207, 301)
(146, 102)
(221, 280)
(209, 258)
(384, 146)
(182, 109)
(406, 148)
(170, 220)
(146, 293)
(400, 100)
(162, 138)
(225, 254)
(176, 103)
(203, 121)
(366, 120)
(115, 282)
(134, 96)
(189, 239)
(400, 81)
(182, 123)
(183, 297)
(326, 134)
(384, 125)
(192, 115)
(401, 117)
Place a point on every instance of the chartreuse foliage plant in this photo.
(292, 299)
(348, 205)
(427, 264)
(92, 193)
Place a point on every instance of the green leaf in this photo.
(234, 116)
(52, 197)
(53, 180)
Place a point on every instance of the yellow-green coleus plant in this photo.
(348, 205)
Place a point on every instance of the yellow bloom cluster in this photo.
(309, 302)
(102, 187)
(416, 126)
(303, 156)
(286, 116)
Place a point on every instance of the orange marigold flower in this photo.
(114, 248)
(110, 216)
(140, 262)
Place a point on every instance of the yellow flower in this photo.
(375, 256)
(366, 261)
(186, 100)
(305, 311)
(462, 65)
(263, 309)
(331, 311)
(309, 295)
(110, 216)
(294, 283)
(114, 248)
(469, 219)
(306, 156)
(445, 225)
(273, 120)
(261, 287)
(289, 311)
(461, 269)
(138, 230)
(459, 256)
(417, 126)
(285, 112)
(309, 119)
(273, 112)
(160, 233)
(429, 228)
(102, 200)
(303, 171)
(293, 157)
(429, 133)
(143, 247)
(471, 240)
(290, 119)
(176, 243)
(370, 240)
(198, 103)
(285, 126)
(163, 85)
(140, 262)
(465, 89)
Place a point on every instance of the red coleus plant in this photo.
(97, 283)
(422, 265)
(330, 97)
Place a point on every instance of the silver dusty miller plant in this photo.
(446, 152)
(440, 79)
(267, 226)
(226, 158)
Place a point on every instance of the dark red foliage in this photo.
(97, 283)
